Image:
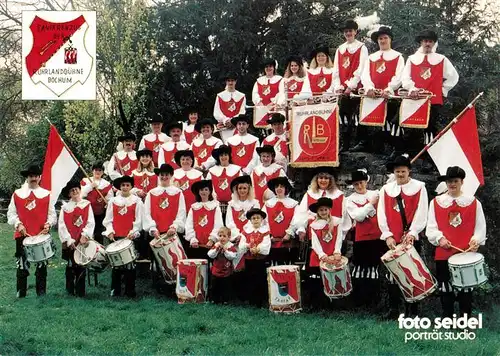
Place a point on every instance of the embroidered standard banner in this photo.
(260, 115)
(414, 114)
(372, 111)
(315, 135)
(58, 55)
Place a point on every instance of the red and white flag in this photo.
(459, 146)
(59, 166)
(372, 111)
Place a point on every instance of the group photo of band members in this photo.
(208, 204)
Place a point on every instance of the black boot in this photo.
(394, 301)
(412, 309)
(80, 274)
(130, 283)
(70, 280)
(22, 282)
(447, 303)
(116, 282)
(465, 303)
(41, 280)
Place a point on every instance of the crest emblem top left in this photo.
(59, 51)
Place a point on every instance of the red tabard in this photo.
(203, 224)
(294, 88)
(230, 108)
(283, 145)
(76, 221)
(123, 223)
(328, 247)
(348, 63)
(145, 182)
(269, 91)
(320, 82)
(239, 218)
(464, 218)
(164, 209)
(429, 77)
(190, 136)
(394, 217)
(98, 204)
(222, 267)
(202, 152)
(279, 218)
(381, 72)
(260, 184)
(242, 154)
(185, 185)
(222, 185)
(154, 146)
(169, 157)
(127, 165)
(254, 239)
(368, 229)
(33, 213)
(337, 204)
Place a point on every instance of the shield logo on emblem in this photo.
(283, 289)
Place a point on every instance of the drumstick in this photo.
(458, 249)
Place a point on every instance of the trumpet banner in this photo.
(414, 114)
(261, 114)
(372, 111)
(315, 135)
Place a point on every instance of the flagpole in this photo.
(449, 126)
(77, 162)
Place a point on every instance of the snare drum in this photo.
(168, 251)
(38, 248)
(467, 270)
(192, 281)
(283, 283)
(91, 255)
(121, 252)
(336, 279)
(410, 272)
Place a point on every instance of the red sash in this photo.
(127, 165)
(32, 212)
(319, 82)
(222, 185)
(279, 218)
(76, 221)
(268, 91)
(202, 152)
(429, 77)
(382, 71)
(367, 229)
(230, 108)
(164, 209)
(394, 217)
(123, 219)
(203, 224)
(348, 63)
(457, 224)
(328, 247)
(96, 201)
(243, 154)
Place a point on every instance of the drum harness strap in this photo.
(401, 207)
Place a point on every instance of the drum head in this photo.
(330, 267)
(85, 253)
(287, 268)
(194, 261)
(35, 240)
(465, 258)
(400, 250)
(120, 245)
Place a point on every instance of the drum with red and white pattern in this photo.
(409, 271)
(168, 251)
(192, 281)
(284, 289)
(336, 279)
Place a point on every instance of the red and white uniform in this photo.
(153, 143)
(325, 241)
(184, 180)
(261, 175)
(168, 151)
(124, 216)
(236, 217)
(222, 265)
(202, 150)
(280, 144)
(144, 181)
(250, 238)
(348, 64)
(164, 208)
(433, 72)
(75, 220)
(243, 151)
(221, 178)
(189, 133)
(91, 194)
(415, 202)
(320, 80)
(364, 214)
(383, 70)
(296, 88)
(32, 208)
(280, 213)
(126, 160)
(203, 222)
(267, 90)
(228, 105)
(459, 220)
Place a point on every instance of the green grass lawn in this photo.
(153, 324)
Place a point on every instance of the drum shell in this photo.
(98, 257)
(123, 255)
(192, 286)
(38, 248)
(284, 289)
(336, 279)
(168, 252)
(467, 275)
